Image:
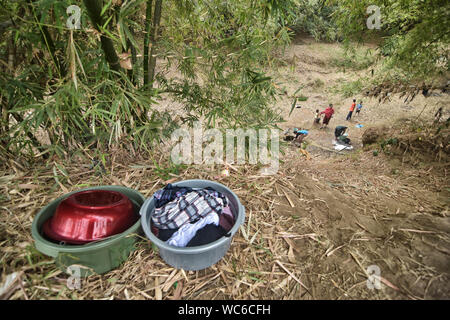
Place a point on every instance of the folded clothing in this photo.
(207, 234)
(188, 231)
(189, 207)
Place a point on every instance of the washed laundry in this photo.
(226, 221)
(207, 234)
(169, 193)
(227, 211)
(190, 217)
(188, 207)
(163, 234)
(188, 231)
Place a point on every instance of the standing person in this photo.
(352, 108)
(317, 117)
(328, 114)
(359, 107)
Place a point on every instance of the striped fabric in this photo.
(189, 207)
(169, 193)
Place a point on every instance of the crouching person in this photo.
(299, 136)
(339, 134)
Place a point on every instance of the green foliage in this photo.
(297, 98)
(166, 173)
(313, 17)
(415, 34)
(386, 144)
(354, 58)
(60, 96)
(350, 89)
(100, 115)
(219, 47)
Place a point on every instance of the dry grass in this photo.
(308, 234)
(256, 266)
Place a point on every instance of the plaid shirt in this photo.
(189, 207)
(169, 193)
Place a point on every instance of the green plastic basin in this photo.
(95, 257)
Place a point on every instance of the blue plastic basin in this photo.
(200, 257)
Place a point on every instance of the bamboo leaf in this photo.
(105, 7)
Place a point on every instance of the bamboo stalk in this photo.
(153, 36)
(94, 8)
(148, 17)
(47, 40)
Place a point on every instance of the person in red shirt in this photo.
(352, 108)
(328, 114)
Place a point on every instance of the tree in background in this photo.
(68, 91)
(314, 17)
(415, 34)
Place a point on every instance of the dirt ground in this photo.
(311, 231)
(369, 210)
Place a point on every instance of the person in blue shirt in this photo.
(300, 135)
(359, 107)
